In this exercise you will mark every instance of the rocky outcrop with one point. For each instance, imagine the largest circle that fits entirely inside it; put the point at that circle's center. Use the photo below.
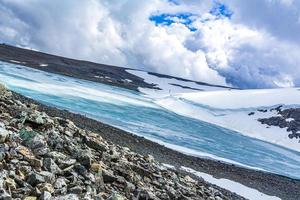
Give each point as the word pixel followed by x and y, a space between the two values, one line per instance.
pixel 285 118
pixel 44 157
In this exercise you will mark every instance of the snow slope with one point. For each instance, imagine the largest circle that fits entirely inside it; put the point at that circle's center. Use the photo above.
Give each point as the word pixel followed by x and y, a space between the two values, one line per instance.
pixel 225 107
pixel 171 85
pixel 230 109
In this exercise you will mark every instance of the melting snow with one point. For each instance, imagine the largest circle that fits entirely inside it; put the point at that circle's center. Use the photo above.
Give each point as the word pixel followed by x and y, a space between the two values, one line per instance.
pixel 170 85
pixel 232 186
pixel 43 65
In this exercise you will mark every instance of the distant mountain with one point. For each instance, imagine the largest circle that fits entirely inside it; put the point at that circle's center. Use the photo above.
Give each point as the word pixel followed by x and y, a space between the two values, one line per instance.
pixel 108 74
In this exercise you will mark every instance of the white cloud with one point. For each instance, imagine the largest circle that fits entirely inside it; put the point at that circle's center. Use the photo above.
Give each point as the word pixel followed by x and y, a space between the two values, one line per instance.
pixel 249 50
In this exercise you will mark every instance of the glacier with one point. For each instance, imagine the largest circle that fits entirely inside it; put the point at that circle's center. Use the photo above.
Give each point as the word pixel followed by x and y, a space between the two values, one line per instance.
pixel 148 116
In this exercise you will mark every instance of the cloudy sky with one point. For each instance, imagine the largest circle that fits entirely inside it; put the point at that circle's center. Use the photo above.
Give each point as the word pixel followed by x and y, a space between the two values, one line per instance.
pixel 243 43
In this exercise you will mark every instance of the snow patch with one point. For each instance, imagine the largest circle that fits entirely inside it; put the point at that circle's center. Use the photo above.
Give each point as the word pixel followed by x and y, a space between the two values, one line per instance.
pixel 18 62
pixel 127 80
pixel 232 186
pixel 170 85
pixel 43 65
pixel 236 99
pixel 168 166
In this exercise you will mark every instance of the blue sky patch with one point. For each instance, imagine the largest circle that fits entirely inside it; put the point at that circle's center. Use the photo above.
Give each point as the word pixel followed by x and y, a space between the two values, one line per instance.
pixel 168 19
pixel 221 10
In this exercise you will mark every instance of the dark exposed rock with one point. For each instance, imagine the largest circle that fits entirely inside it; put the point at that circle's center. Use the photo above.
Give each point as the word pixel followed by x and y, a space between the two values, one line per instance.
pixel 251 113
pixel 287 118
pixel 34 179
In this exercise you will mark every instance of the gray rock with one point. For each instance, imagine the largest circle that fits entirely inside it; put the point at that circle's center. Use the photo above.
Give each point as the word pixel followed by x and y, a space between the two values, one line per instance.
pixel 109 177
pixel 76 190
pixel 3 135
pixel 67 197
pixel 60 183
pixel 116 196
pixel 51 166
pixel 84 158
pixel 45 196
pixel 33 140
pixel 5 196
pixel 34 179
pixel 94 144
pixel 48 176
pixel 129 187
pixel 36 118
pixel 80 169
pixel 66 163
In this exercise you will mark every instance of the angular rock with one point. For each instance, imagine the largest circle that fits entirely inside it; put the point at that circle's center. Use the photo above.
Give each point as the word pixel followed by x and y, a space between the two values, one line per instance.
pixel 5 196
pixel 30 198
pixel 109 177
pixel 116 196
pixel 94 143
pixel 60 183
pixel 76 190
pixel 84 158
pixel 34 179
pixel 51 166
pixel 48 176
pixel 45 196
pixel 45 187
pixel 3 135
pixel 67 197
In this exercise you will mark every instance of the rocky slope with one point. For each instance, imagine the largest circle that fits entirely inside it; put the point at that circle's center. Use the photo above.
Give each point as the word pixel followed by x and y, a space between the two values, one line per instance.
pixel 43 157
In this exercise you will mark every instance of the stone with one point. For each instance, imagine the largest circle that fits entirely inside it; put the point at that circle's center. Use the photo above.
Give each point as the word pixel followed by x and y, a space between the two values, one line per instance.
pixel 60 183
pixel 76 190
pixel 3 135
pixel 80 169
pixel 36 163
pixel 149 158
pixel 45 196
pixel 45 187
pixel 94 143
pixel 5 196
pixel 51 166
pixel 129 187
pixel 95 167
pixel 34 141
pixel 34 179
pixel 109 177
pixel 25 152
pixel 30 198
pixel 116 196
pixel 10 183
pixel 66 163
pixel 48 176
pixel 67 197
pixel 85 159
pixel 36 118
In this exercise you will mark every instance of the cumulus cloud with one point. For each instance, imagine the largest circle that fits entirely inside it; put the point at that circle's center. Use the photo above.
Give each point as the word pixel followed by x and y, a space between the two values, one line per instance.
pixel 236 45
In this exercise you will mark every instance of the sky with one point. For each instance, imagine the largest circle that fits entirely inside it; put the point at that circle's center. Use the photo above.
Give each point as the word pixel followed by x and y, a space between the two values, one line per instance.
pixel 240 43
